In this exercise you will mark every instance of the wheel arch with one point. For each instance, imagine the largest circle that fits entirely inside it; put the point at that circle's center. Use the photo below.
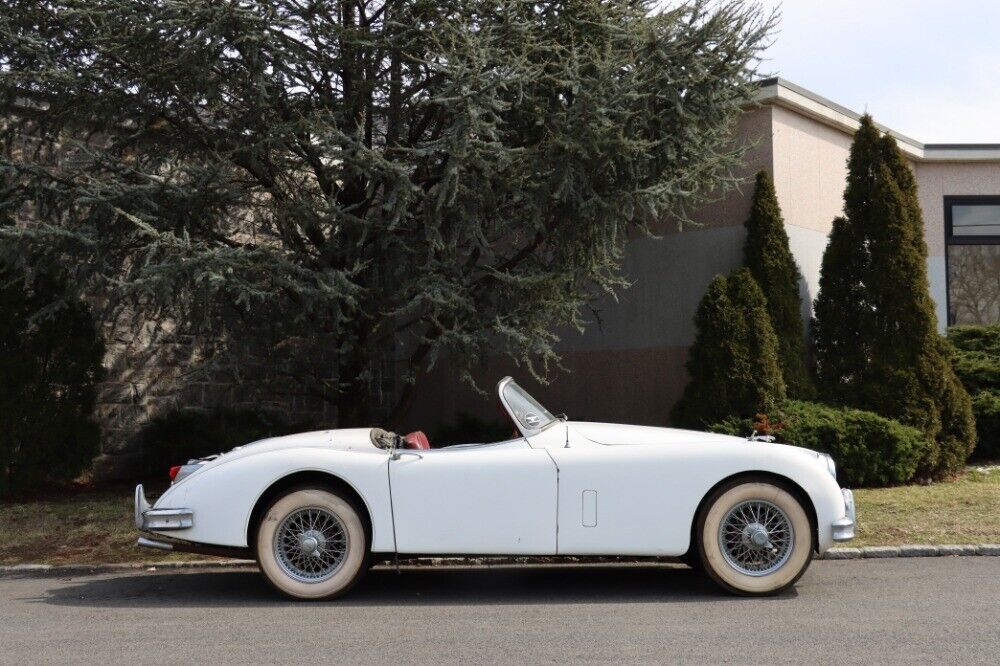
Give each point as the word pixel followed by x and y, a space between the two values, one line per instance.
pixel 780 480
pixel 312 479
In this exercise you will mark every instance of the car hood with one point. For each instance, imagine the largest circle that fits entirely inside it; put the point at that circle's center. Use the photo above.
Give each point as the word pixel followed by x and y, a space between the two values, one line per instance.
pixel 615 433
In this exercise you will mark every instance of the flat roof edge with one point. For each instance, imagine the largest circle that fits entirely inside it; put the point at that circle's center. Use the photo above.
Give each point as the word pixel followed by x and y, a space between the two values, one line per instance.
pixel 776 90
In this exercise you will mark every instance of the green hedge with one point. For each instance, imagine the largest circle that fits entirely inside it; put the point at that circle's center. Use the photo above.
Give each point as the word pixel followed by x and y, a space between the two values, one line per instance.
pixel 50 364
pixel 976 338
pixel 986 407
pixel 978 370
pixel 976 357
pixel 870 450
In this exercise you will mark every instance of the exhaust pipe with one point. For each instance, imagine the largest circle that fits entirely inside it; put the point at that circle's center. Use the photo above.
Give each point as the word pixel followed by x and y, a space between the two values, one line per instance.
pixel 197 548
pixel 143 542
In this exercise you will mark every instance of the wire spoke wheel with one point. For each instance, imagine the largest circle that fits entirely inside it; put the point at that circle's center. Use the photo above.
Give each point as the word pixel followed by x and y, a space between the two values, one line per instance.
pixel 756 537
pixel 310 544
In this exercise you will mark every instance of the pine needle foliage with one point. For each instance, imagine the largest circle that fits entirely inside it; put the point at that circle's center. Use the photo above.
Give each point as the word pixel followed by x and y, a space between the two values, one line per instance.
pixel 50 367
pixel 383 180
pixel 768 256
pixel 877 346
pixel 733 364
pixel 976 359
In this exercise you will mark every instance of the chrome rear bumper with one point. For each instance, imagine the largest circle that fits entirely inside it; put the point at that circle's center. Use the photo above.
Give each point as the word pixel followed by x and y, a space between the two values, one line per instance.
pixel 148 518
pixel 844 528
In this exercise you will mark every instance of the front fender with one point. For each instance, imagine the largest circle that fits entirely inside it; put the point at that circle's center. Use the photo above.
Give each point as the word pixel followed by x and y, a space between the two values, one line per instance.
pixel 805 469
pixel 222 496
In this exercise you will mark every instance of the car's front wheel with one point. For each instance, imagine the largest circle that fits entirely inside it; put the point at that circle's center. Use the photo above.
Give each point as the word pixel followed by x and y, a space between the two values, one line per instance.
pixel 754 537
pixel 312 544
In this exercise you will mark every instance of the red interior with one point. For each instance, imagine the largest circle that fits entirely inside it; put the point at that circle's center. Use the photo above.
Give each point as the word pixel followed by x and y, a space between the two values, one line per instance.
pixel 416 440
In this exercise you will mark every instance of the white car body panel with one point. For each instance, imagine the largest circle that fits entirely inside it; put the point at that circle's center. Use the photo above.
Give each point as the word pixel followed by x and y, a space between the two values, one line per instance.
pixel 645 495
pixel 480 499
pixel 223 493
pixel 569 488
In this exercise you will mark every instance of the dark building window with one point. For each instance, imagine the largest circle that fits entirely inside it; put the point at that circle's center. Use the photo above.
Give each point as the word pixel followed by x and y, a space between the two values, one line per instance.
pixel 972 237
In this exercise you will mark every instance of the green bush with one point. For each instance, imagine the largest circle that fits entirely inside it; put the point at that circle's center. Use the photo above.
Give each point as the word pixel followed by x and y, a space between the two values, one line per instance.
pixel 733 363
pixel 976 338
pixel 183 434
pixel 986 407
pixel 870 450
pixel 978 370
pixel 50 363
pixel 976 357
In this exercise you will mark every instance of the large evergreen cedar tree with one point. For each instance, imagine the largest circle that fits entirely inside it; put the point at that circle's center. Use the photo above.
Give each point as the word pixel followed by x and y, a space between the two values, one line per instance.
pixel 368 179
pixel 877 346
pixel 767 254
pixel 733 363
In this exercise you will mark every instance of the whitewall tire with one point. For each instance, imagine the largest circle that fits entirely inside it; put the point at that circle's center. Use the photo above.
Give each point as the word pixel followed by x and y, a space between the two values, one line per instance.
pixel 754 537
pixel 312 544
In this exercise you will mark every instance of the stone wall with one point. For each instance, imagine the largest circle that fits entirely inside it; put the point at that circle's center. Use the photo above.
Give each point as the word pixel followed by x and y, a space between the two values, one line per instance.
pixel 151 370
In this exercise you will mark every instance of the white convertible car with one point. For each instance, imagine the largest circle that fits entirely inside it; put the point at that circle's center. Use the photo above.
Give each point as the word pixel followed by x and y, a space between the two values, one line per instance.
pixel 317 508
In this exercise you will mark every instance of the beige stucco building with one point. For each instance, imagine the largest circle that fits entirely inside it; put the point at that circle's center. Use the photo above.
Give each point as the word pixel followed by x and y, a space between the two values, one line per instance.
pixel 629 365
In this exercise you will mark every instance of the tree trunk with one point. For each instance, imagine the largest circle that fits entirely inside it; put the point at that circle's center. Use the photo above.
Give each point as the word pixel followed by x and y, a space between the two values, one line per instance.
pixel 353 404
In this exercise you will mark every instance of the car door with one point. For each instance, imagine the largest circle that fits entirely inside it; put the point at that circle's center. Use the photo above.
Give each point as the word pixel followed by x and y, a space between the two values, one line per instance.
pixel 474 499
pixel 620 500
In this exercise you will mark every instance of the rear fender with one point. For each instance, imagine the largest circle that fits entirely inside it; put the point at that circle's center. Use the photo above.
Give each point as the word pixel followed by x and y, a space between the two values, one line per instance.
pixel 222 497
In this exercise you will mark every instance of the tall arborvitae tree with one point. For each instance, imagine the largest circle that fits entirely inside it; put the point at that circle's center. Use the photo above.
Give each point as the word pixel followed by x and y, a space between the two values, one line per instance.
pixel 733 363
pixel 877 346
pixel 767 254
pixel 381 181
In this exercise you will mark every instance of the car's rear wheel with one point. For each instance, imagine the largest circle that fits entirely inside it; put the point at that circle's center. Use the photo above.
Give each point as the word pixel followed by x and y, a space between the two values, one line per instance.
pixel 312 544
pixel 754 537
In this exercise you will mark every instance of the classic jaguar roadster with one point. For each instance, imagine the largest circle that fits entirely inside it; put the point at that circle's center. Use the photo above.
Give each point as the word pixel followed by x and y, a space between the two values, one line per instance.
pixel 315 509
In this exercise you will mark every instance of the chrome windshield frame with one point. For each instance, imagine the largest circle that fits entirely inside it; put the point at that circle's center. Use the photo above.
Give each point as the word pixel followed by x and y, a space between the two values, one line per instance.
pixel 526 431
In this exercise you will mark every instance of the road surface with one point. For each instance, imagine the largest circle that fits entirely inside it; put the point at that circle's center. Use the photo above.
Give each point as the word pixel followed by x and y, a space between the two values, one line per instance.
pixel 871 611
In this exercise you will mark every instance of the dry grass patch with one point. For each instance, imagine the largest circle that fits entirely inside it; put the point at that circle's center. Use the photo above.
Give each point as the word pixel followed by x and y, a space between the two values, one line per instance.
pixel 85 527
pixel 959 512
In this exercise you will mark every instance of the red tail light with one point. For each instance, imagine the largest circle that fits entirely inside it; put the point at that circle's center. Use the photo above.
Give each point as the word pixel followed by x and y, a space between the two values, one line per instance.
pixel 173 471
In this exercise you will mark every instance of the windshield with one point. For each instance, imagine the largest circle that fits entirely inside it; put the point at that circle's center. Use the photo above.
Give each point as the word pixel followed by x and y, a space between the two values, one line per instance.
pixel 528 412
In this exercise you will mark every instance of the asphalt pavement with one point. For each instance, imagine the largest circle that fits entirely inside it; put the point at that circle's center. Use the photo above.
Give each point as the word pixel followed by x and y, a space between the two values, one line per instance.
pixel 936 610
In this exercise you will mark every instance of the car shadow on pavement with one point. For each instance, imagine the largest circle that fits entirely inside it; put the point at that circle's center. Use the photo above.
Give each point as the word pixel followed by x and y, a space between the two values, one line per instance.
pixel 410 587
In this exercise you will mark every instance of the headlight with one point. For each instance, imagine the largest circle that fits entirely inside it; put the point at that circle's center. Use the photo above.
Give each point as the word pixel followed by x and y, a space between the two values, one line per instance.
pixel 831 466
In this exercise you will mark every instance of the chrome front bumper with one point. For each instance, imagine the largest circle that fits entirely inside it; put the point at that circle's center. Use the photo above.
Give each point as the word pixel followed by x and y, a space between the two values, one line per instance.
pixel 844 528
pixel 148 518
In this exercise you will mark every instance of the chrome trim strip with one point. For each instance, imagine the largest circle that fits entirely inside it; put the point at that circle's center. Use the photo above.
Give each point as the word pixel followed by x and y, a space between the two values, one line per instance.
pixel 844 528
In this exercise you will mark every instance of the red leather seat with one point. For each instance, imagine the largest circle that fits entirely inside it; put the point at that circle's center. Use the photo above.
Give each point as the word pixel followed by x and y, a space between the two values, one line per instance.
pixel 416 440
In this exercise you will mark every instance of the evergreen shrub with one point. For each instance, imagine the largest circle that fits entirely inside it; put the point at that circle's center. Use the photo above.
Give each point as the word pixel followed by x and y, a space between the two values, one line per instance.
pixel 733 363
pixel 870 450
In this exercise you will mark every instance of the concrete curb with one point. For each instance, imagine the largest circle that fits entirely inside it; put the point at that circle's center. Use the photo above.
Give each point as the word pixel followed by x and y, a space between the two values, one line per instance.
pixel 866 553
pixel 943 550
